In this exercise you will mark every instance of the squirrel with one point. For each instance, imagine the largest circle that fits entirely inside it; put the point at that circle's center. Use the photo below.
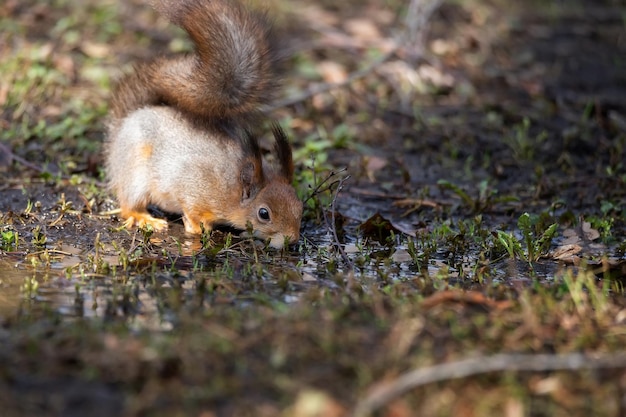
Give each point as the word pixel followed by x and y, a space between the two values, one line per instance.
pixel 178 130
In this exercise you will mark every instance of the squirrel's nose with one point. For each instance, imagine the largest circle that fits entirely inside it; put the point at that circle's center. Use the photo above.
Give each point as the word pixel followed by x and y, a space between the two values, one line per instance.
pixel 279 241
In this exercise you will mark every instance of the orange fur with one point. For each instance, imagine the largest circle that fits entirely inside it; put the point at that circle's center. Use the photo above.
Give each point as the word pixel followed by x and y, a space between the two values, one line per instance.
pixel 142 218
pixel 195 219
pixel 145 152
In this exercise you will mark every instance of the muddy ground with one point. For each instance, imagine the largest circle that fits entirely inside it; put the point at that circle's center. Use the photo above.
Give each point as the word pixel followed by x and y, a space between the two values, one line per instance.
pixel 465 194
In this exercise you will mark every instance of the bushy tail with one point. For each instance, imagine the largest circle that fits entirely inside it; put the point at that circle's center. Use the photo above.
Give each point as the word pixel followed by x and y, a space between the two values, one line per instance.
pixel 230 74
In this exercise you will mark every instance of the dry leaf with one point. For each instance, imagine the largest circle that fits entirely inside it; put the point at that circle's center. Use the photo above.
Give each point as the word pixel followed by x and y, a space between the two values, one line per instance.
pixel 465 297
pixel 308 277
pixel 379 228
pixel 435 76
pixel 404 228
pixel 401 256
pixel 332 72
pixel 590 233
pixel 95 50
pixel 4 93
pixel 566 252
pixel 351 248
pixel 620 317
pixel 546 385
pixel 362 29
pixel 314 403
pixel 374 164
pixel 514 408
pixel 569 233
pixel 571 237
pixel 65 64
pixel 443 47
pixel 318 15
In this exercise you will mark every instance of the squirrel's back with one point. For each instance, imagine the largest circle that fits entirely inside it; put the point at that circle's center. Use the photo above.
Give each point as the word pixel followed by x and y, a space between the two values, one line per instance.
pixel 230 74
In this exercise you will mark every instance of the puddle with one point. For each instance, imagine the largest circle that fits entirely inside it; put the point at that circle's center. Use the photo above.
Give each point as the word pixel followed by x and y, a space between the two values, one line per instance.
pixel 11 280
pixel 168 275
pixel 151 296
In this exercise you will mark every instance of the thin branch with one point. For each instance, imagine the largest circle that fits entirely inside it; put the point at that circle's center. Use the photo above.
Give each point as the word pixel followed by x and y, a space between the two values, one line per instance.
pixel 4 149
pixel 481 365
pixel 12 156
pixel 333 226
pixel 319 188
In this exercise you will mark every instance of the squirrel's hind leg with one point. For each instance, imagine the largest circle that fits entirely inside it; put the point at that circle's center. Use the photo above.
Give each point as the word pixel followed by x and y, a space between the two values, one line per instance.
pixel 142 218
pixel 194 220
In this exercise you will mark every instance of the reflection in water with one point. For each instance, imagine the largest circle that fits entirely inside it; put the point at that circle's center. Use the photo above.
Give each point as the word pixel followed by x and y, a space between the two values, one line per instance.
pixel 149 287
pixel 33 292
pixel 54 281
pixel 150 301
pixel 11 280
pixel 39 293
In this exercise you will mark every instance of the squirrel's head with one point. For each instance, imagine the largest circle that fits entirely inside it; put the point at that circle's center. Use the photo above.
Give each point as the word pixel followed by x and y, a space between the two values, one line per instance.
pixel 275 213
pixel 272 206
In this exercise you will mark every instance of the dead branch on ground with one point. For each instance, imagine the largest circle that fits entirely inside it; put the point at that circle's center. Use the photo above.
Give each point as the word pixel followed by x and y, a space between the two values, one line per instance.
pixel 504 362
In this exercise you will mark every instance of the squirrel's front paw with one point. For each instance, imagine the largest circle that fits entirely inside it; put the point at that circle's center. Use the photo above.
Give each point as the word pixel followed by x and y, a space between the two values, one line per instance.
pixel 197 220
pixel 141 219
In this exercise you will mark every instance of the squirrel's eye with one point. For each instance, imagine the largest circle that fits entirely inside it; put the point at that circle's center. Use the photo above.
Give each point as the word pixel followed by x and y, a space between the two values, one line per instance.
pixel 264 214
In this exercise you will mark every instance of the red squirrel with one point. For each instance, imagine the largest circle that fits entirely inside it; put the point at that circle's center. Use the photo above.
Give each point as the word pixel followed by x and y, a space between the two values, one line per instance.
pixel 178 131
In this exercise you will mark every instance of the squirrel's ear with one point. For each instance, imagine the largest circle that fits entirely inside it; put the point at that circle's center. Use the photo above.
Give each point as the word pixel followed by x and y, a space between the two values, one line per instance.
pixel 282 149
pixel 251 146
pixel 249 180
pixel 252 170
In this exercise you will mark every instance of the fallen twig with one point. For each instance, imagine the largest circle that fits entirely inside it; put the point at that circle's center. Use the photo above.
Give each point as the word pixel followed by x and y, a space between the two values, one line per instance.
pixel 464 297
pixel 12 156
pixel 504 362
